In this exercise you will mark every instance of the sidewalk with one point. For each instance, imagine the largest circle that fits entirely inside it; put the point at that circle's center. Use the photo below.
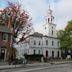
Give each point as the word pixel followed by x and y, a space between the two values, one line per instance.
pixel 34 64
pixel 21 65
pixel 61 62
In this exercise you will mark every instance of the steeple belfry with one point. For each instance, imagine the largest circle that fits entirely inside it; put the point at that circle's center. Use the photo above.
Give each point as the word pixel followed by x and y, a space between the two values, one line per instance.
pixel 50 16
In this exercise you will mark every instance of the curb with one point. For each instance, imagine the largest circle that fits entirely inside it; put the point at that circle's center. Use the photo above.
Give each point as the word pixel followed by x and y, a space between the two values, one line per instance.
pixel 29 65
pixel 57 63
pixel 11 67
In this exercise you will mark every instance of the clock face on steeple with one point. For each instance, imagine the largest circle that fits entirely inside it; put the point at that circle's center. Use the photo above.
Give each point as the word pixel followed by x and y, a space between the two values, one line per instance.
pixel 49 11
pixel 50 17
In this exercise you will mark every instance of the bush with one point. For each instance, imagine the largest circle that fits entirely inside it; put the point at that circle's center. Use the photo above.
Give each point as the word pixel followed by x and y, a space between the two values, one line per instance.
pixel 20 61
pixel 16 61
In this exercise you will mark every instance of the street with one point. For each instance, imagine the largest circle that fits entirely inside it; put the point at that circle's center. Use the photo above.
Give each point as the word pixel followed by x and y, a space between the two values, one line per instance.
pixel 42 68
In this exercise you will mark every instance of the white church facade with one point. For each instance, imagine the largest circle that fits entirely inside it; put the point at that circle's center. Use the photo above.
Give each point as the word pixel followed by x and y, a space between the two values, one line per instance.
pixel 45 45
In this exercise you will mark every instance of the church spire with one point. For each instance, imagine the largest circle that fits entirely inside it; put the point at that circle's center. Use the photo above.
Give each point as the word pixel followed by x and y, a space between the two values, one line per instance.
pixel 50 16
pixel 49 5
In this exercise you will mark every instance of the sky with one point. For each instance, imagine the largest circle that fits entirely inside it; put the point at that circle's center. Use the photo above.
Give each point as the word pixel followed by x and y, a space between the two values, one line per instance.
pixel 37 9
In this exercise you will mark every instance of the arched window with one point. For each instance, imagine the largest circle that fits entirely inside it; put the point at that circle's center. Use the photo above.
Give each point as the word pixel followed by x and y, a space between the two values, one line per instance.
pixel 48 20
pixel 52 32
pixel 52 54
pixel 34 42
pixel 34 51
pixel 58 54
pixel 46 53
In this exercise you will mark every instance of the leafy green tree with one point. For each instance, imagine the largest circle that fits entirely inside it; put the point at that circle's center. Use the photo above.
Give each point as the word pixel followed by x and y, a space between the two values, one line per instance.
pixel 69 26
pixel 66 38
pixel 68 30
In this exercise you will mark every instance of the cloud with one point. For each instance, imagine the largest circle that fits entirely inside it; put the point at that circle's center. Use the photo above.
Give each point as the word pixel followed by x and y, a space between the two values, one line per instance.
pixel 37 9
pixel 63 13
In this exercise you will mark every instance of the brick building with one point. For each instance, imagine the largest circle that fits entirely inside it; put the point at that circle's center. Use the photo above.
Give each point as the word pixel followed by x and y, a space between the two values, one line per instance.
pixel 5 43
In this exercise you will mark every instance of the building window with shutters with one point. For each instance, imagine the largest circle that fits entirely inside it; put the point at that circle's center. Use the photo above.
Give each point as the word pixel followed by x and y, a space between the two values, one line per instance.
pixel 4 36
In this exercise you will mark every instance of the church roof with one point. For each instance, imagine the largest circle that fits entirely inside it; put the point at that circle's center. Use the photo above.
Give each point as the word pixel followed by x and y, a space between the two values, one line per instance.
pixel 36 34
pixel 50 37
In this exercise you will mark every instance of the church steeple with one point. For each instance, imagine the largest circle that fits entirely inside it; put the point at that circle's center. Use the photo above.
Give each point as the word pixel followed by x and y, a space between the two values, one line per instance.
pixel 50 27
pixel 50 16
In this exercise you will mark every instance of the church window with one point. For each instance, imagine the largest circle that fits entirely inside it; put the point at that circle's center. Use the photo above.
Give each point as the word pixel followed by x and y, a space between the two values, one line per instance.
pixel 39 42
pixel 52 27
pixel 52 43
pixel 52 32
pixel 34 42
pixel 46 42
pixel 34 51
pixel 52 54
pixel 48 19
pixel 46 53
pixel 51 19
pixel 58 54
pixel 45 27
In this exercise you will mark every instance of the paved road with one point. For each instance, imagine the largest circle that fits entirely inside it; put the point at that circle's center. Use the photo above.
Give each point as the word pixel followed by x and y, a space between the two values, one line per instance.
pixel 61 68
pixel 42 68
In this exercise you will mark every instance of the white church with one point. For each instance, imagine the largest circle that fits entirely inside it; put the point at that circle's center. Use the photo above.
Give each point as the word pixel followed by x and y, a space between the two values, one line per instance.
pixel 44 45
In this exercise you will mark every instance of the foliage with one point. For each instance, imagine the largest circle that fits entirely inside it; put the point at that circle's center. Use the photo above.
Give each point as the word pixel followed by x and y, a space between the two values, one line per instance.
pixel 66 37
pixel 19 23
pixel 17 20
pixel 69 26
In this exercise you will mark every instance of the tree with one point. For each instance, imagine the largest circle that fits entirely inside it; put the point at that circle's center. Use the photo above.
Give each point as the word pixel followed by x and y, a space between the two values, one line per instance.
pixel 18 21
pixel 68 30
pixel 69 26
pixel 66 38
